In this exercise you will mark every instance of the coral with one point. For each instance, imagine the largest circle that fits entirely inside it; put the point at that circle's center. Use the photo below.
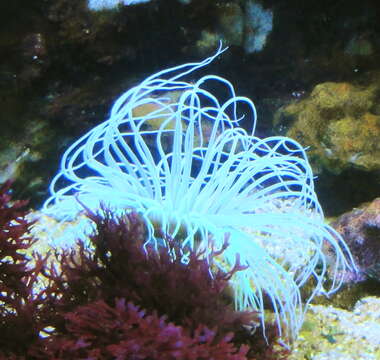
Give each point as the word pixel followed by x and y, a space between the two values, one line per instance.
pixel 200 184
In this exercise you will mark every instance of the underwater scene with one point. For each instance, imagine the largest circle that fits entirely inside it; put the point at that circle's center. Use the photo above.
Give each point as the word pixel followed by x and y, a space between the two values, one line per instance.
pixel 190 180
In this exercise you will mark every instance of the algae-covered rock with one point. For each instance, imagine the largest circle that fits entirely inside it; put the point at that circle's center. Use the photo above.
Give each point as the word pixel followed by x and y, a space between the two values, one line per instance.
pixel 247 25
pixel 333 333
pixel 229 28
pixel 341 124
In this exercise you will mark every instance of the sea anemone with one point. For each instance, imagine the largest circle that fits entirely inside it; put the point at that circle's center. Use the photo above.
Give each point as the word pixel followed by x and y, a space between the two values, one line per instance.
pixel 200 178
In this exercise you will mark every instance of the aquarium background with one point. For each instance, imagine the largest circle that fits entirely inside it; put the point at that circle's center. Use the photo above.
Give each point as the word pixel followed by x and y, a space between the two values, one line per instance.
pixel 62 66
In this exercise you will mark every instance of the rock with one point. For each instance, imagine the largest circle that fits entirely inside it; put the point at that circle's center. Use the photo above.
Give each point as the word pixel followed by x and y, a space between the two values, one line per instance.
pixel 229 29
pixel 246 26
pixel 341 124
pixel 333 333
pixel 360 229
pixel 258 25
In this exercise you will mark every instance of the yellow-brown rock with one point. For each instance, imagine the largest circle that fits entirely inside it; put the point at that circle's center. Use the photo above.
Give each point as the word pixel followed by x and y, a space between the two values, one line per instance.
pixel 340 122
